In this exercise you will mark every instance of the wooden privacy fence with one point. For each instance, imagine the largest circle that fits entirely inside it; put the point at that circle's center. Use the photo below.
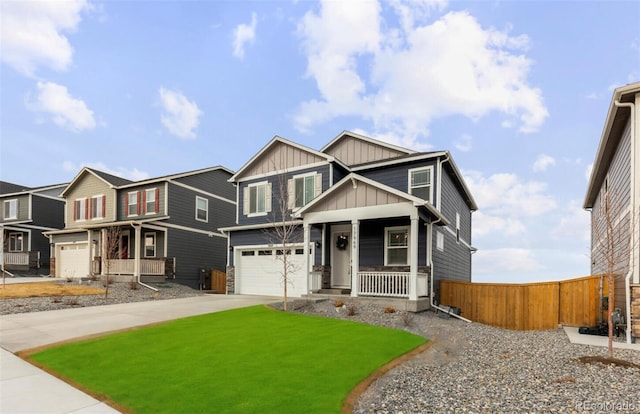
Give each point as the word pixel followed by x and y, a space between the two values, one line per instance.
pixel 532 306
pixel 218 281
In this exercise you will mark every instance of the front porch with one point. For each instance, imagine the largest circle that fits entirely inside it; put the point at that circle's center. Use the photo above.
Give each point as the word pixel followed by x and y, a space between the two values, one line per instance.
pixel 22 261
pixel 152 270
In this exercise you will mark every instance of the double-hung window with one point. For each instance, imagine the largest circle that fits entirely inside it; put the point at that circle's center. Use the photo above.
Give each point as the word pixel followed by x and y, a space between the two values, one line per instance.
pixel 80 209
pixel 151 201
pixel 202 209
pixel 150 245
pixel 11 209
pixel 97 207
pixel 16 242
pixel 132 203
pixel 304 188
pixel 257 199
pixel 421 183
pixel 396 246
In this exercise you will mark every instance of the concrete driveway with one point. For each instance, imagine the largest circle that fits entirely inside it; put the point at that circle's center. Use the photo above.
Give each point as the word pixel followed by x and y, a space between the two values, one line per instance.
pixel 27 389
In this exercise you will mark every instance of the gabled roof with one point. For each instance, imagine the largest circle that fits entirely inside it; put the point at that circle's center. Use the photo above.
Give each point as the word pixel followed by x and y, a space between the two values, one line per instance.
pixel 110 180
pixel 175 176
pixel 346 134
pixel 614 125
pixel 10 189
pixel 277 140
pixel 352 181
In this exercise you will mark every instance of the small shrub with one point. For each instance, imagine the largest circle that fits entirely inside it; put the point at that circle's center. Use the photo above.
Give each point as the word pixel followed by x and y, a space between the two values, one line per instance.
pixel 389 309
pixel 338 303
pixel 72 302
pixel 57 299
pixel 351 309
pixel 133 285
pixel 407 318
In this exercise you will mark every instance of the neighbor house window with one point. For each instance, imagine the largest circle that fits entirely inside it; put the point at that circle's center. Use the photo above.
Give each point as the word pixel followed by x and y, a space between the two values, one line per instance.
pixel 150 245
pixel 11 209
pixel 97 207
pixel 151 201
pixel 202 209
pixel 396 242
pixel 421 183
pixel 257 199
pixel 440 241
pixel 132 204
pixel 80 209
pixel 15 242
pixel 304 188
pixel 458 227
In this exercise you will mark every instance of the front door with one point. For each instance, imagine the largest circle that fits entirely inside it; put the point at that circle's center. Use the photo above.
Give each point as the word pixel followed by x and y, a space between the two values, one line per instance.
pixel 341 256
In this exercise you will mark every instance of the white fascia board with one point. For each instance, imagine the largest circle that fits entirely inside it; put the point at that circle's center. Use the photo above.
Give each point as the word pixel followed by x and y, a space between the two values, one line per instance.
pixel 361 213
pixel 199 191
pixel 456 171
pixel 393 161
pixel 367 139
pixel 77 177
pixel 275 140
pixel 285 171
pixel 258 226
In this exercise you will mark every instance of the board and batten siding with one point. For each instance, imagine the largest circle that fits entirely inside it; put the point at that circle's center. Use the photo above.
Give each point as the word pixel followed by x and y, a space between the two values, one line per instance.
pixel 619 187
pixel 89 186
pixel 352 151
pixel 280 157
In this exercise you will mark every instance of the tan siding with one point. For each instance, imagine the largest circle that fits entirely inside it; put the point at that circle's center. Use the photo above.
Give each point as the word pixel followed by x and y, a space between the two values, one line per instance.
pixel 362 196
pixel 281 157
pixel 353 151
pixel 86 187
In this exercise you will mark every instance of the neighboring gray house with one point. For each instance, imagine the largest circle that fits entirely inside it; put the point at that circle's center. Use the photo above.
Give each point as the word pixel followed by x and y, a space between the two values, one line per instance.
pixel 378 220
pixel 167 226
pixel 26 214
pixel 614 191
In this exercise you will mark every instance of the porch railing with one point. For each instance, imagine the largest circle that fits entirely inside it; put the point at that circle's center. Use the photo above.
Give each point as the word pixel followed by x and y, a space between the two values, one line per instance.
pixel 390 284
pixel 316 281
pixel 16 258
pixel 127 266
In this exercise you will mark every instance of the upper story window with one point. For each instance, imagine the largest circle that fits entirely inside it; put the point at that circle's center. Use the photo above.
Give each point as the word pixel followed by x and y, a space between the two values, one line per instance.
pixel 151 205
pixel 16 242
pixel 421 183
pixel 257 199
pixel 11 209
pixel 202 209
pixel 458 227
pixel 97 207
pixel 396 246
pixel 304 188
pixel 440 241
pixel 80 209
pixel 133 207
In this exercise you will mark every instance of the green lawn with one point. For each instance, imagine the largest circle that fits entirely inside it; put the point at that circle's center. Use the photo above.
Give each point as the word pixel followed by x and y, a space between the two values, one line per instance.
pixel 239 361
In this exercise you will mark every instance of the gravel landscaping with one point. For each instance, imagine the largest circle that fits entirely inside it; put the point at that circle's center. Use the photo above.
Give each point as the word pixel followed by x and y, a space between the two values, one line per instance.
pixel 468 368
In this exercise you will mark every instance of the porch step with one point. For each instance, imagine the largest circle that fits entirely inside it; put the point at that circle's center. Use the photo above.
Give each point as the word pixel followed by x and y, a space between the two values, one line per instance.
pixel 334 291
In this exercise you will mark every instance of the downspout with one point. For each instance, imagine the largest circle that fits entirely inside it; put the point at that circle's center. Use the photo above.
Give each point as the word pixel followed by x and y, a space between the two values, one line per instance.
pixel 137 233
pixel 627 278
pixel 431 272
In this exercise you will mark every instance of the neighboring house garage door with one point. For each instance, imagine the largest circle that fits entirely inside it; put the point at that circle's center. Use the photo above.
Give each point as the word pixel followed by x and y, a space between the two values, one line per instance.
pixel 72 260
pixel 259 272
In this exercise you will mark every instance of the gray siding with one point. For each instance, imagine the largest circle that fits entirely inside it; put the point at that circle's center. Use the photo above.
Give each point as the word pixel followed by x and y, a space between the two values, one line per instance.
pixel 397 176
pixel 123 202
pixel 182 209
pixel 194 251
pixel 214 182
pixel 372 241
pixel 452 203
pixel 48 212
pixel 23 207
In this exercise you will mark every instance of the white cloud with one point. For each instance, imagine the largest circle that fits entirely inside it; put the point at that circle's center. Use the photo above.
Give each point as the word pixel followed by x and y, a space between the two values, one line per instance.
pixel 243 34
pixel 484 224
pixel 181 116
pixel 505 260
pixel 417 72
pixel 33 33
pixel 575 223
pixel 464 143
pixel 133 175
pixel 65 110
pixel 587 172
pixel 543 162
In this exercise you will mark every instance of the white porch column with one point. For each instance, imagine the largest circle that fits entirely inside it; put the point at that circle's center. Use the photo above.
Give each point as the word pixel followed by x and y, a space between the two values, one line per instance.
pixel 136 255
pixel 355 262
pixel 413 258
pixel 2 249
pixel 305 232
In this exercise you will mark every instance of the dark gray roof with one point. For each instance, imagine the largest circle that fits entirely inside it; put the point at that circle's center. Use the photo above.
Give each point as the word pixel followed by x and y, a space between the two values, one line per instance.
pixel 111 179
pixel 9 188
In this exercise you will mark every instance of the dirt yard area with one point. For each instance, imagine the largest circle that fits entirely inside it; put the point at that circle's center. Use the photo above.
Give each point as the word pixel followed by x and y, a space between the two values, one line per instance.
pixel 43 289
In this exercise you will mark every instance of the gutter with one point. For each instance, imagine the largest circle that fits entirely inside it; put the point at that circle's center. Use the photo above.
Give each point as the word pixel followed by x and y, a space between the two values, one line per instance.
pixel 632 221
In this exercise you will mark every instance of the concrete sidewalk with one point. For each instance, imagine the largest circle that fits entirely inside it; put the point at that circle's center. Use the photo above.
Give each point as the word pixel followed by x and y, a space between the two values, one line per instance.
pixel 577 338
pixel 27 389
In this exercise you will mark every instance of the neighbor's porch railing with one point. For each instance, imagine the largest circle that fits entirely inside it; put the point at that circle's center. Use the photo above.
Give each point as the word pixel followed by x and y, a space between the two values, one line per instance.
pixel 390 284
pixel 127 266
pixel 16 258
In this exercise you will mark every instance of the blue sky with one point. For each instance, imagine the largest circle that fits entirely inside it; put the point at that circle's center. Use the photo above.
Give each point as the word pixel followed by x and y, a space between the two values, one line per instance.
pixel 517 91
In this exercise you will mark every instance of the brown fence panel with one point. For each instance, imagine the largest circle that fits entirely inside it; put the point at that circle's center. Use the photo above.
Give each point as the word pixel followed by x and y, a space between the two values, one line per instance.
pixel 530 306
pixel 218 281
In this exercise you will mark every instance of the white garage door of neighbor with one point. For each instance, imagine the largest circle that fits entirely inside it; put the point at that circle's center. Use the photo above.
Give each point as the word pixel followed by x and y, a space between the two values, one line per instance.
pixel 259 272
pixel 72 260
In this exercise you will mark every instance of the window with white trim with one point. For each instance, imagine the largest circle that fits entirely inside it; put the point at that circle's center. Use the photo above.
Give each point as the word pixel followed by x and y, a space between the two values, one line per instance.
pixel 421 183
pixel 150 245
pixel 132 204
pixel 396 246
pixel 80 209
pixel 11 209
pixel 202 209
pixel 16 242
pixel 151 200
pixel 304 188
pixel 257 199
pixel 458 227
pixel 440 241
pixel 97 207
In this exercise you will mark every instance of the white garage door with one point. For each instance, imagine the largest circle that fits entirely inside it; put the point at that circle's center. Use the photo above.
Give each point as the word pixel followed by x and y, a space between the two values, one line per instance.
pixel 72 260
pixel 259 272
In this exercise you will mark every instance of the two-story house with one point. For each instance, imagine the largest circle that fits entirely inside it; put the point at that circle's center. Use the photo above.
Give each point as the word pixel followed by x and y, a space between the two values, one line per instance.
pixel 613 197
pixel 26 214
pixel 149 230
pixel 366 218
